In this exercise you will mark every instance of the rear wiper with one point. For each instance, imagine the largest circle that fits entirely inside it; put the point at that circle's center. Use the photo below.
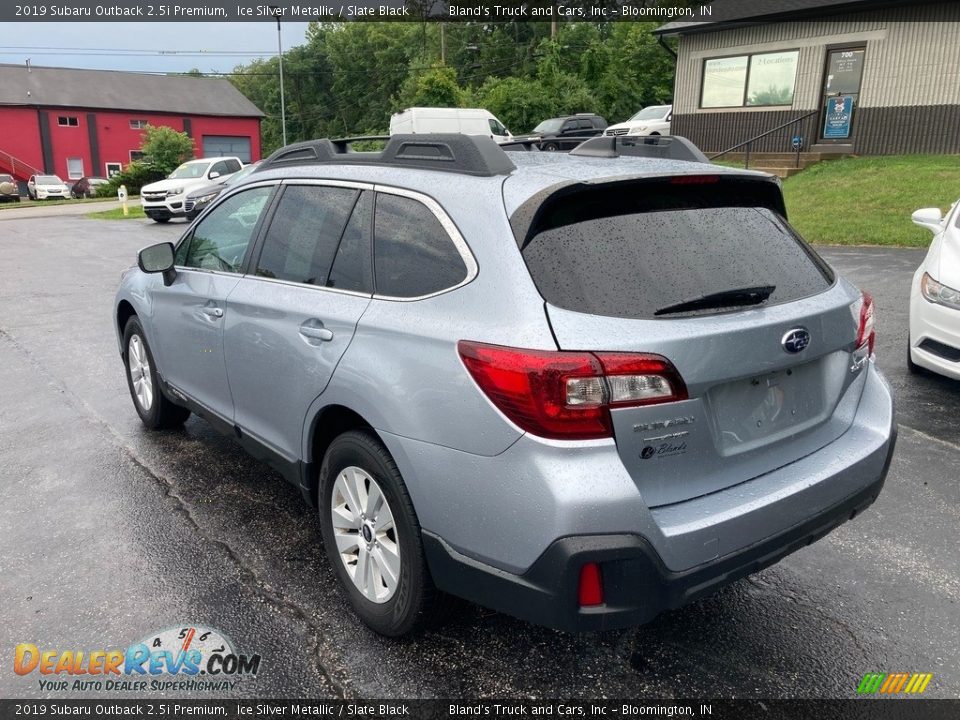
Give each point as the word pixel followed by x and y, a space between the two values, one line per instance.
pixel 727 298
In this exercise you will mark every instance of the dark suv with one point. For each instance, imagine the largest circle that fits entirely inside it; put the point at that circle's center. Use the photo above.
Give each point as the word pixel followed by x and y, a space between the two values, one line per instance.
pixel 565 133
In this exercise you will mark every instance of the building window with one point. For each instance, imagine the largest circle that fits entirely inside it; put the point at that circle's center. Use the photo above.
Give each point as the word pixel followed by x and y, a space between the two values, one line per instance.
pixel 67 121
pixel 138 124
pixel 113 169
pixel 136 155
pixel 749 80
pixel 74 168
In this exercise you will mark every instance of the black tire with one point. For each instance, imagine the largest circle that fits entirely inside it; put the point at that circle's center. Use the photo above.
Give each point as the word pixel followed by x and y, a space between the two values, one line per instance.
pixel 161 219
pixel 415 599
pixel 550 147
pixel 162 414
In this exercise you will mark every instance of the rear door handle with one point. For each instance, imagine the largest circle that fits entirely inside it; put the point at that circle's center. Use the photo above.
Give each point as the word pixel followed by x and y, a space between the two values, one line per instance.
pixel 213 311
pixel 314 330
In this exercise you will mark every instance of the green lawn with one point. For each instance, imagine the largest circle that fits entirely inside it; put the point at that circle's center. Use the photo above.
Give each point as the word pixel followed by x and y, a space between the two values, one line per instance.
pixel 136 211
pixel 869 200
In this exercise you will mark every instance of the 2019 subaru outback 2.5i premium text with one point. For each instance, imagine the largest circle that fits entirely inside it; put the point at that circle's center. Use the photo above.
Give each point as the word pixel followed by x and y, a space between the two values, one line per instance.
pixel 578 388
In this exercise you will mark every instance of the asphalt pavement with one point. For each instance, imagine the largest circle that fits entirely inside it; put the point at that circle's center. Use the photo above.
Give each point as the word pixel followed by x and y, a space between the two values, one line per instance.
pixel 109 533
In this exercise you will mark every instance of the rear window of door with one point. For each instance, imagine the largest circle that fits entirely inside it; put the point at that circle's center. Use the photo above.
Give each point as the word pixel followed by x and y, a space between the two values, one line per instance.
pixel 304 233
pixel 413 253
pixel 220 240
pixel 623 251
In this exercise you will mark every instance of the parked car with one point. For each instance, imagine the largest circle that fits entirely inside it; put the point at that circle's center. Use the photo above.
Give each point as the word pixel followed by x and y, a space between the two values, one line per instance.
pixel 469 121
pixel 165 199
pixel 570 432
pixel 46 187
pixel 934 342
pixel 198 199
pixel 565 133
pixel 652 120
pixel 86 187
pixel 9 190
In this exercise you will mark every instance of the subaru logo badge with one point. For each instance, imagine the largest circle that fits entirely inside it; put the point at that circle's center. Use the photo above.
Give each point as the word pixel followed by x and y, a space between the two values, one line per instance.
pixel 796 340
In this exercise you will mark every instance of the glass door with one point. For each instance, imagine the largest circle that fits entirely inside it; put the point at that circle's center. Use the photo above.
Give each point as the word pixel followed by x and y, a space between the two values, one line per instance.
pixel 841 92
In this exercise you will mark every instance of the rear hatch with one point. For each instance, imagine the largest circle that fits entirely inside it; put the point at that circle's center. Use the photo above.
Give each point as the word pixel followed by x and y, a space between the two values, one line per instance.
pixel 705 271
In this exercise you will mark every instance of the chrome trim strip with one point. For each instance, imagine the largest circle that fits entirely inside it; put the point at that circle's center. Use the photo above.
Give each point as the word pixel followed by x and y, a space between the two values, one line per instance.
pixel 293 283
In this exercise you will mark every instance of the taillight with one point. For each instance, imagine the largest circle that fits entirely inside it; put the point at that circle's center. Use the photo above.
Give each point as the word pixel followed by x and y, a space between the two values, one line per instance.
pixel 568 395
pixel 865 332
pixel 694 179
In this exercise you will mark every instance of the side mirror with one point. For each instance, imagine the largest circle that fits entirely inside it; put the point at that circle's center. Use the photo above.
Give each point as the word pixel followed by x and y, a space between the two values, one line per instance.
pixel 214 175
pixel 158 259
pixel 929 218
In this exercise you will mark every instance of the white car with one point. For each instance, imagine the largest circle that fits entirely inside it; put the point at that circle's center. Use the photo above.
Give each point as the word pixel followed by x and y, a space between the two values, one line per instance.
pixel 166 199
pixel 652 120
pixel 47 187
pixel 935 297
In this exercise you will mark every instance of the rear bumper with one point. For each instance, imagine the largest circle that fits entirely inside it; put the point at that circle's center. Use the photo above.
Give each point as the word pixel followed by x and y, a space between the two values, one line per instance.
pixel 651 560
pixel 637 585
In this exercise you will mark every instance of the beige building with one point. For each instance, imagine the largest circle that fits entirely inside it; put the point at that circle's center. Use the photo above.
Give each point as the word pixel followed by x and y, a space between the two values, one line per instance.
pixel 865 77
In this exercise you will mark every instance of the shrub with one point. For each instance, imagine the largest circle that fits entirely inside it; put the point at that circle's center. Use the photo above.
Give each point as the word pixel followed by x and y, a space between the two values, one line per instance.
pixel 134 176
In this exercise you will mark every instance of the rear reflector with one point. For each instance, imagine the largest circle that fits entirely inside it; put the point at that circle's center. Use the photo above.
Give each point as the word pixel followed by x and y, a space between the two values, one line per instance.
pixel 569 395
pixel 590 591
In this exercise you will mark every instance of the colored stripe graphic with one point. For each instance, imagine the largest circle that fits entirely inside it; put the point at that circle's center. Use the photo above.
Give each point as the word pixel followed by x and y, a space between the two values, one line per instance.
pixel 894 683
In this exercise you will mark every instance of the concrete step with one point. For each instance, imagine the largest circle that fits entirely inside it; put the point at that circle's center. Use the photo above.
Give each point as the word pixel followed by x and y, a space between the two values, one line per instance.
pixel 782 163
pixel 759 156
pixel 781 172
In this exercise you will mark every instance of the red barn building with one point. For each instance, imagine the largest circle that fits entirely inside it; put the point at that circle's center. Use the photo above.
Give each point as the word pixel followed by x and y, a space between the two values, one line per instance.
pixel 73 122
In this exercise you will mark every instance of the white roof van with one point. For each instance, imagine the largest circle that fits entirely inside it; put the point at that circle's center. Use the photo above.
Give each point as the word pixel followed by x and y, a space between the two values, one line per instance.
pixel 467 121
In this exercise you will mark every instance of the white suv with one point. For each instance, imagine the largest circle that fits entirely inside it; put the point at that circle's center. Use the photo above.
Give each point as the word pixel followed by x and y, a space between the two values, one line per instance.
pixel 653 120
pixel 165 199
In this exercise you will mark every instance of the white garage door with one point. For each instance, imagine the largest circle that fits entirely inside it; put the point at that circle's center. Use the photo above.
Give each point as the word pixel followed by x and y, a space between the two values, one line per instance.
pixel 226 145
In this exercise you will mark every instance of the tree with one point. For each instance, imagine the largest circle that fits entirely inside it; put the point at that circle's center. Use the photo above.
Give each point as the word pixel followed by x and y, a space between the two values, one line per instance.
pixel 164 148
pixel 436 87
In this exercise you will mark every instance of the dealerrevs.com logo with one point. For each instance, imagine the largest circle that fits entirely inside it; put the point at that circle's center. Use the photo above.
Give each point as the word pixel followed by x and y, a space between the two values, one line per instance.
pixel 192 658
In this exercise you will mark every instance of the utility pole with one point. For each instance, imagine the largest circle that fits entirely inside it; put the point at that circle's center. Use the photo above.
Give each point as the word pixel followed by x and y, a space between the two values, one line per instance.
pixel 283 104
pixel 443 44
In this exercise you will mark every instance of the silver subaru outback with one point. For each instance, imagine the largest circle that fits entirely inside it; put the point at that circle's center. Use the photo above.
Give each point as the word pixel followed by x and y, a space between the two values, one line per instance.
pixel 576 388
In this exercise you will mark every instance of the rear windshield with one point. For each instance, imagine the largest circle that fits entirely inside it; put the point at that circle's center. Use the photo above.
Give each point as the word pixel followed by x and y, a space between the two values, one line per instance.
pixel 633 252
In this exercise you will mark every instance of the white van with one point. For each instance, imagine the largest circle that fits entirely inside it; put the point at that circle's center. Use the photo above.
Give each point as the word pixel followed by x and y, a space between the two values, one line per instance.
pixel 468 121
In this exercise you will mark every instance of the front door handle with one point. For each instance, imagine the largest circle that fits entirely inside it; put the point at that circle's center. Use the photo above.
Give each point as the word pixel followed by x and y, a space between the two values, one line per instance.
pixel 213 311
pixel 314 330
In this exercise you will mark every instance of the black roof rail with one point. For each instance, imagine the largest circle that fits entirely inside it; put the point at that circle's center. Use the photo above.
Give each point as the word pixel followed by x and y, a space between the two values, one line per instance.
pixel 665 147
pixel 448 152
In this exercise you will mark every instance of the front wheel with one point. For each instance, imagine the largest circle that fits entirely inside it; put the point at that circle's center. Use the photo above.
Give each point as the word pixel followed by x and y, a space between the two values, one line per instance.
pixel 161 219
pixel 551 147
pixel 372 536
pixel 154 408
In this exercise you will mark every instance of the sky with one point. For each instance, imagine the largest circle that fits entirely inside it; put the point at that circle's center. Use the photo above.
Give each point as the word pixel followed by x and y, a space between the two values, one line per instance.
pixel 146 47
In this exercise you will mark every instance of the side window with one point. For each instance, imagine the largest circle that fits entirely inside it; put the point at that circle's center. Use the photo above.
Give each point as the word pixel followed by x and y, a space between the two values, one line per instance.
pixel 569 126
pixel 220 241
pixel 220 167
pixel 413 254
pixel 496 128
pixel 232 165
pixel 303 236
pixel 587 125
pixel 351 266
